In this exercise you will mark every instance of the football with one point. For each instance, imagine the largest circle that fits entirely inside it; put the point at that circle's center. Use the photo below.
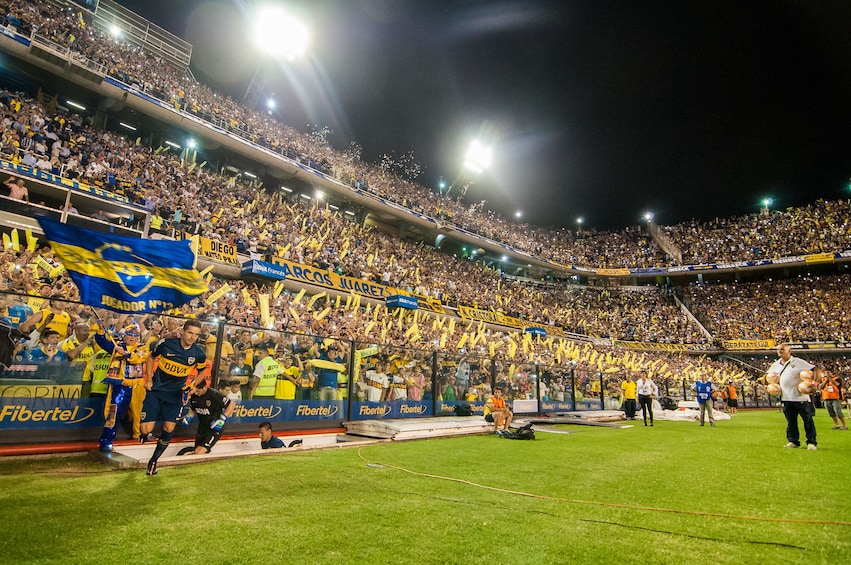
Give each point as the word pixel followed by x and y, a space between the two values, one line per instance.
pixel 806 387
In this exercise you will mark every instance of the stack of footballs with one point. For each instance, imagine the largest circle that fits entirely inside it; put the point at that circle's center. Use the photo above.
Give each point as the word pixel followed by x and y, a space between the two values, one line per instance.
pixel 807 384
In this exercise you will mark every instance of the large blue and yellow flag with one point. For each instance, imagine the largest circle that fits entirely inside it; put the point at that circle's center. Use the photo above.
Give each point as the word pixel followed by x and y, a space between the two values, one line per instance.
pixel 125 274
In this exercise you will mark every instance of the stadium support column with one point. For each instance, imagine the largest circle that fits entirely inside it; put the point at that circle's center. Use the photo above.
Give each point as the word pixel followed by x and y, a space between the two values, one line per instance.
pixel 573 388
pixel 403 230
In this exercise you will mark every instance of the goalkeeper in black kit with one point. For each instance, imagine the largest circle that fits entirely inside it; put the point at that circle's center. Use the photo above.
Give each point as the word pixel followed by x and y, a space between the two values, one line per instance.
pixel 212 409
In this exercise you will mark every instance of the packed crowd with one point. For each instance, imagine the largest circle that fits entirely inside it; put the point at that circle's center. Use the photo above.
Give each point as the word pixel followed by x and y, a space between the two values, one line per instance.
pixel 806 308
pixel 225 209
pixel 259 222
pixel 820 227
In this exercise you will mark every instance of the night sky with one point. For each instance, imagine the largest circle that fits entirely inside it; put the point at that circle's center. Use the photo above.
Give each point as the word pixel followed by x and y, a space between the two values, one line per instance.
pixel 599 109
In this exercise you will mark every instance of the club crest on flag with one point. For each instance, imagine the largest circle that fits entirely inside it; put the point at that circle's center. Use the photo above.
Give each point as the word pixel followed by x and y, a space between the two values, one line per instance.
pixel 130 269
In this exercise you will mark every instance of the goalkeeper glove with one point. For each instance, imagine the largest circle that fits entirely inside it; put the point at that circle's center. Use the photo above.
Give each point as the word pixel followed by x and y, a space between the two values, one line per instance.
pixel 218 424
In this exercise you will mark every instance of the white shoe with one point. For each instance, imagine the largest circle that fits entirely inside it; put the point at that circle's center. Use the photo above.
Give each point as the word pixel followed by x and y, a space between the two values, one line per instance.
pixel 811 447
pixel 790 445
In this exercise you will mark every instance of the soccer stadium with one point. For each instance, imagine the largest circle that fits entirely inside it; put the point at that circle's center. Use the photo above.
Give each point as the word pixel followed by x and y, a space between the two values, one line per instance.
pixel 162 240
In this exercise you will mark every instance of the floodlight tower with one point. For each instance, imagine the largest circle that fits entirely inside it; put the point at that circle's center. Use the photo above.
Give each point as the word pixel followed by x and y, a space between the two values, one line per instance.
pixel 476 160
pixel 278 37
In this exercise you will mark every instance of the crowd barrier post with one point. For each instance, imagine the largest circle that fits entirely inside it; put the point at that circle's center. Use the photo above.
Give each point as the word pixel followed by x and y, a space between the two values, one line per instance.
pixel 573 389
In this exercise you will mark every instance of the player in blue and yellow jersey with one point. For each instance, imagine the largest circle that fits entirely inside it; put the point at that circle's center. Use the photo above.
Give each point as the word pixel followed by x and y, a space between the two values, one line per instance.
pixel 166 385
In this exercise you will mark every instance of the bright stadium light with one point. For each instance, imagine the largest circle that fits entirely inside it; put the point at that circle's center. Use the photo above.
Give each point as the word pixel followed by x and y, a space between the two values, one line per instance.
pixel 767 202
pixel 518 214
pixel 270 103
pixel 191 144
pixel 478 157
pixel 114 30
pixel 648 216
pixel 172 144
pixel 579 220
pixel 279 34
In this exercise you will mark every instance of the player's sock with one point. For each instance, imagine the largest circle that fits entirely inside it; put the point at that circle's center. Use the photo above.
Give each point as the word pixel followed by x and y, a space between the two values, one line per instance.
pixel 162 445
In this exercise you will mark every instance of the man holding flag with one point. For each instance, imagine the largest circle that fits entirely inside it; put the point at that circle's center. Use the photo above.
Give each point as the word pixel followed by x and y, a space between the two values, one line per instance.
pixel 137 276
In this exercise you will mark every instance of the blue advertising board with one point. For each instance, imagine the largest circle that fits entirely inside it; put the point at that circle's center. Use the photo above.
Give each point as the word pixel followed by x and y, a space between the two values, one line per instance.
pixel 263 269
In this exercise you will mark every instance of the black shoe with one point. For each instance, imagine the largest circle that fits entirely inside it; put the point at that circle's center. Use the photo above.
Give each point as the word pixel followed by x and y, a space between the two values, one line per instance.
pixel 152 468
pixel 294 443
pixel 147 438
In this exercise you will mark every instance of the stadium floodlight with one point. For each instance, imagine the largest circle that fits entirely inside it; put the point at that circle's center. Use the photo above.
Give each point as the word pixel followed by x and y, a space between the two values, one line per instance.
pixel 114 30
pixel 270 103
pixel 279 34
pixel 320 195
pixel 579 220
pixel 504 258
pixel 518 214
pixel 478 157
pixel 191 144
pixel 766 202
pixel 648 216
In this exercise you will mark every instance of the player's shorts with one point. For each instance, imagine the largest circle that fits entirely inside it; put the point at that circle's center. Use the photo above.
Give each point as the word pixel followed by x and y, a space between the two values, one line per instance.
pixel 161 406
pixel 489 417
pixel 732 403
pixel 207 438
pixel 834 408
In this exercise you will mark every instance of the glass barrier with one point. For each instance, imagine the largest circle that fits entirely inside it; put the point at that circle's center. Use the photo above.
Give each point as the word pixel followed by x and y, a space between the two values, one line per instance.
pixel 279 376
pixel 463 384
pixel 611 391
pixel 391 382
pixel 52 370
pixel 587 387
pixel 556 389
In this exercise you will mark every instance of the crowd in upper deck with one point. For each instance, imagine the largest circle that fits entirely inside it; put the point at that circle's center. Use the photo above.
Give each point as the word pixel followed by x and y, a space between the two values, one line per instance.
pixel 220 207
pixel 819 227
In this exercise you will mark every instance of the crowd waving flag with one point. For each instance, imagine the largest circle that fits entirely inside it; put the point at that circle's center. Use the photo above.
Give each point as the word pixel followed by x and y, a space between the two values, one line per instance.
pixel 125 274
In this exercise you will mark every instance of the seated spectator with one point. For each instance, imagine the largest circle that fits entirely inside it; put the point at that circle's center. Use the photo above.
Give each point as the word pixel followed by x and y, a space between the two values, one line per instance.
pixel 498 412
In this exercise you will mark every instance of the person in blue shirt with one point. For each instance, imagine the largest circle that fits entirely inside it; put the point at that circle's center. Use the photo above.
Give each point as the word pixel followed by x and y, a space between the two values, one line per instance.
pixel 49 350
pixel 268 440
pixel 329 361
pixel 704 389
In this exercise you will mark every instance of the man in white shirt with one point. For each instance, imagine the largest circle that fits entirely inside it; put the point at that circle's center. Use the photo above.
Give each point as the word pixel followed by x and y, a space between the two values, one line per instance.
pixel 646 391
pixel 794 403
